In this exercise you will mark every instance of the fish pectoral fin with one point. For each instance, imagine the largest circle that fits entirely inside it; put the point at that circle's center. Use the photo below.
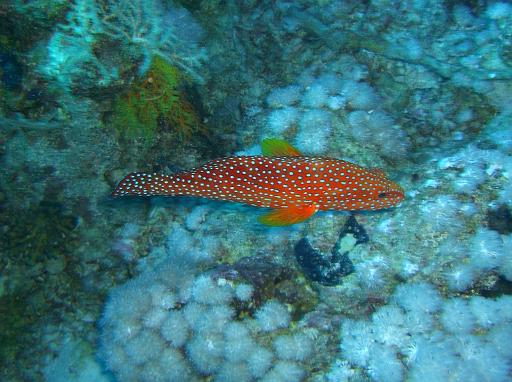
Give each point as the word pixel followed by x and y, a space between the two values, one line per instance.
pixel 288 215
pixel 273 147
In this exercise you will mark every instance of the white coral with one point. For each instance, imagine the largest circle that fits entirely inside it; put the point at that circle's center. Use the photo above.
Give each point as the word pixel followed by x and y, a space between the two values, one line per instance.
pixel 136 23
pixel 148 26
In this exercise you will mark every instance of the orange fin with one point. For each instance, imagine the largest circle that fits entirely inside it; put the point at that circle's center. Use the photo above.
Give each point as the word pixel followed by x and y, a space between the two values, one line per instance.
pixel 287 215
pixel 378 172
pixel 273 147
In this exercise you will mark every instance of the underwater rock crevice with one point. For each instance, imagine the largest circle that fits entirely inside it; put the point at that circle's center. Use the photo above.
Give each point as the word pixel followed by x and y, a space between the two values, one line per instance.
pixel 330 268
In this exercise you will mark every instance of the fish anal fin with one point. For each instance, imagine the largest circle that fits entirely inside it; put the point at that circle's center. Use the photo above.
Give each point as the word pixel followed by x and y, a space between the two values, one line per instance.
pixel 287 215
pixel 273 147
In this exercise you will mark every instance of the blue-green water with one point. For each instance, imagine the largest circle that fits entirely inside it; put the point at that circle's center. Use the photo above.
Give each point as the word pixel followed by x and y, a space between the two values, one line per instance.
pixel 97 288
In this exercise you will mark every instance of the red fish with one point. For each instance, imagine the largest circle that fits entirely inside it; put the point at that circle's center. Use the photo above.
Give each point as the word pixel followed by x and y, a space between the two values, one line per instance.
pixel 292 185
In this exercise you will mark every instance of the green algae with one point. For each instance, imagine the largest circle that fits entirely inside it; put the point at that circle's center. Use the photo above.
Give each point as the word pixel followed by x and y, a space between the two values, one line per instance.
pixel 42 230
pixel 40 15
pixel 17 316
pixel 154 103
pixel 37 245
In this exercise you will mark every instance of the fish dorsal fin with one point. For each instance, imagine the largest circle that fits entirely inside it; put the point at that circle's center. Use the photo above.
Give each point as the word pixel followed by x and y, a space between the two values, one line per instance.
pixel 273 147
pixel 287 215
pixel 378 172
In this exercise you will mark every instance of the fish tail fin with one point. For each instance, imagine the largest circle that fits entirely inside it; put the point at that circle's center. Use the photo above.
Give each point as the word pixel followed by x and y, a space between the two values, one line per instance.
pixel 143 184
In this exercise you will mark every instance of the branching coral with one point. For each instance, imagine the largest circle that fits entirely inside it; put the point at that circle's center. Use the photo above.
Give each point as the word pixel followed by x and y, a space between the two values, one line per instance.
pixel 100 35
pixel 146 25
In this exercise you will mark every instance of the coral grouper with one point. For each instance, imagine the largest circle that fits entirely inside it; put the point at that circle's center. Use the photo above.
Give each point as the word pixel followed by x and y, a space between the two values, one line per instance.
pixel 294 186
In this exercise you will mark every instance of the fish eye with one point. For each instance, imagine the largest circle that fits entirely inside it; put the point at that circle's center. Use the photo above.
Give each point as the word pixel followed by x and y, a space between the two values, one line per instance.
pixel 382 195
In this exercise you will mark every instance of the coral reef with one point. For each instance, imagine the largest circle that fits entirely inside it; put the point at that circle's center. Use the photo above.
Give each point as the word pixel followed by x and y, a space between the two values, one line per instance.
pixel 86 53
pixel 436 338
pixel 189 328
pixel 103 289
